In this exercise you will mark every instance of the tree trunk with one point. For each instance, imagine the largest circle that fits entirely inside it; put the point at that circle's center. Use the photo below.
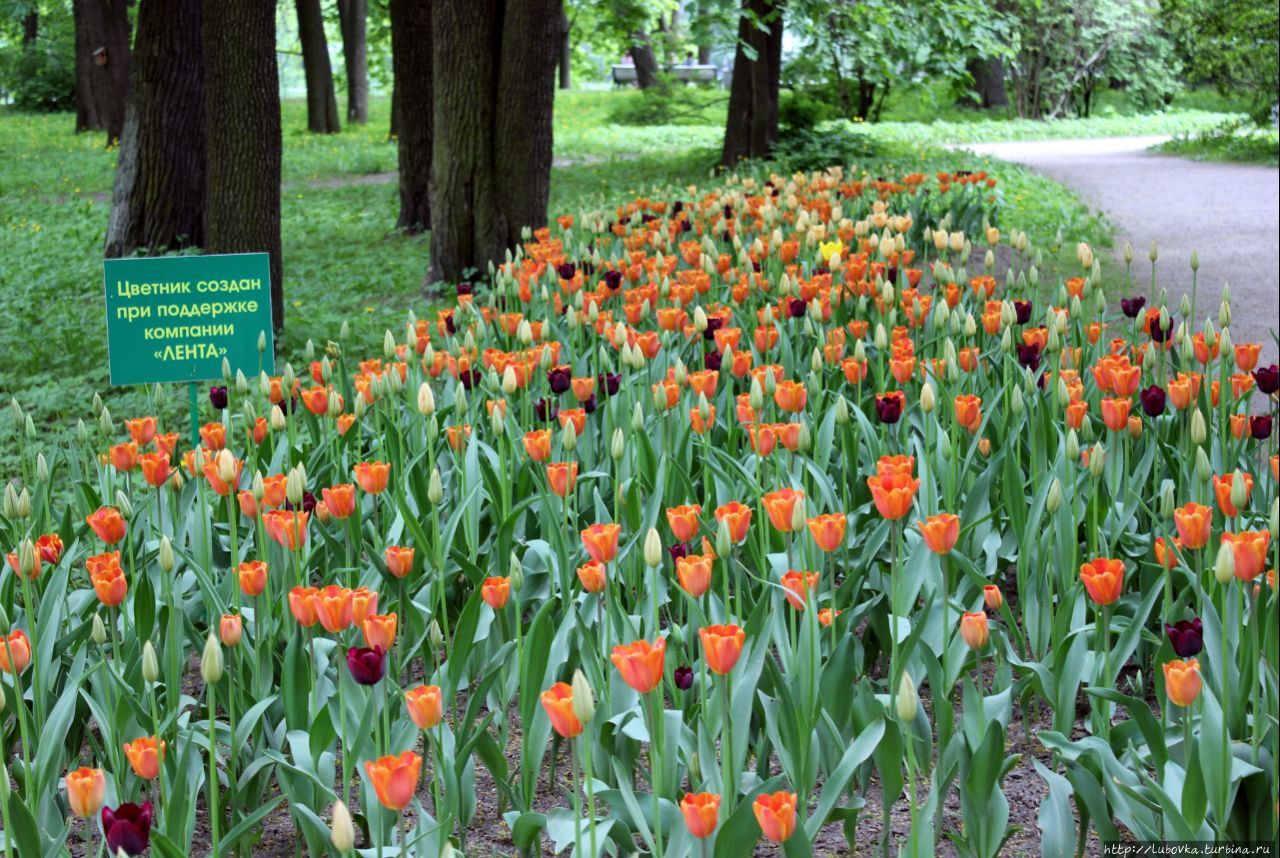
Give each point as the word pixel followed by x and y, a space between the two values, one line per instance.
pixel 702 32
pixel 159 196
pixel 566 53
pixel 494 76
pixel 988 84
pixel 102 65
pixel 322 102
pixel 752 125
pixel 30 28
pixel 645 59
pixel 353 17
pixel 242 104
pixel 411 109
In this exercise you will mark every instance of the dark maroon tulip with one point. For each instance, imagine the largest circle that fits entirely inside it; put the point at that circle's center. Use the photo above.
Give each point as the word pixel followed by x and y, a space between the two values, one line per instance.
pixel 678 550
pixel 1131 307
pixel 1160 334
pixel 308 503
pixel 449 324
pixel 470 378
pixel 891 274
pixel 559 378
pixel 888 408
pixel 1267 378
pixel 795 308
pixel 684 677
pixel 546 410
pixel 1028 355
pixel 1153 400
pixel 589 404
pixel 465 288
pixel 366 664
pixel 127 828
pixel 728 212
pixel 714 323
pixel 607 383
pixel 1186 637
pixel 566 270
pixel 1260 427
pixel 1023 311
pixel 613 279
pixel 712 360
pixel 218 397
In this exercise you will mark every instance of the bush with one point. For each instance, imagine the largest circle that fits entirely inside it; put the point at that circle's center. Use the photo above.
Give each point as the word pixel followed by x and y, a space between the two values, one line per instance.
pixel 40 77
pixel 669 105
pixel 810 149
pixel 805 109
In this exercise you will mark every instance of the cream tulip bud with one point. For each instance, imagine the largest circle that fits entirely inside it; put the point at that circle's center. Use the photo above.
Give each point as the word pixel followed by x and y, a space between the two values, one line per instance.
pixel 150 664
pixel 584 699
pixel 342 833
pixel 1224 566
pixel 652 548
pixel 211 660
pixel 908 701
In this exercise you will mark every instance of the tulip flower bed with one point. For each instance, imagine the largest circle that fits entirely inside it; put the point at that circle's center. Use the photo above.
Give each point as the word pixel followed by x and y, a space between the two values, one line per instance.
pixel 693 527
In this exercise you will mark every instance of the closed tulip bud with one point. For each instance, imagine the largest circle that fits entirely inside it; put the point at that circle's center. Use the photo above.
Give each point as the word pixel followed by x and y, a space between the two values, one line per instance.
pixel 105 423
pixel 1097 461
pixel 927 399
pixel 278 421
pixel 341 830
pixel 27 559
pixel 295 487
pixel 944 447
pixel 211 660
pixel 435 488
pixel 1203 469
pixel 1152 254
pixel 1199 431
pixel 1225 346
pixel 82 432
pixel 434 635
pixel 842 411
pixel 42 468
pixel 1128 252
pixel 569 436
pixel 908 702
pixel 637 418
pixel 150 664
pixel 1224 567
pixel 1053 501
pixel 122 502
pixel 652 548
pixel 804 441
pixel 1167 499
pixel 756 397
pixel 165 555
pixel 98 630
pixel 584 701
pixel 22 507
pixel 1275 520
pixel 1239 491
pixel 881 337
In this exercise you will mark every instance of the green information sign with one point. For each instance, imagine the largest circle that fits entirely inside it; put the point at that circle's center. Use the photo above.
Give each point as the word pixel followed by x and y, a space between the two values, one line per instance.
pixel 176 318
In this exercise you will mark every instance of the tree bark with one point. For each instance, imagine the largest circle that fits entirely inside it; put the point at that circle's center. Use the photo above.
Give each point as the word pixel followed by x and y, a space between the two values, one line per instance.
pixel 645 59
pixel 494 86
pixel 353 17
pixel 322 102
pixel 242 105
pixel 988 83
pixel 30 28
pixel 102 65
pixel 752 125
pixel 566 53
pixel 159 196
pixel 411 109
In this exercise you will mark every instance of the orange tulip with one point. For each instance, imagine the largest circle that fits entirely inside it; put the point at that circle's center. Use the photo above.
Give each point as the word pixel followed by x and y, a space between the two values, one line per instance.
pixel 737 517
pixel 332 606
pixel 562 477
pixel 394 778
pixel 992 597
pixel 399 560
pixel 974 629
pixel 155 468
pixel 797 586
pixel 253 577
pixel 721 646
pixel 969 412
pixel 340 500
pixel 214 436
pixel 940 532
pixel 275 491
pixel 107 523
pixel 1222 491
pixel 893 494
pixel 110 584
pixel 640 664
pixel 537 444
pixel 593 576
pixel 558 701
pixel 302 605
pixel 16 643
pixel 781 507
pixel 684 521
pixel 145 755
pixel 380 630
pixel 495 592
pixel 828 530
pixel 364 604
pixel 248 503
pixel 425 705
pixel 372 476
pixel 1103 579
pixel 287 528
pixel 776 815
pixel 1194 522
pixel 601 541
pixel 141 429
pixel 701 811
pixel 1182 681
pixel 694 572
pixel 1249 550
pixel 1247 356
pixel 1115 412
pixel 230 629
pixel 790 396
pixel 86 789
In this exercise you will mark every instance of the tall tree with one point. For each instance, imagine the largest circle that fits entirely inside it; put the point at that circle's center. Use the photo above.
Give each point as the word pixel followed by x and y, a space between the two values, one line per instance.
pixel 565 61
pixel 752 125
pixel 322 102
pixel 353 19
pixel 645 59
pixel 30 27
pixel 102 65
pixel 159 197
pixel 411 109
pixel 494 87
pixel 242 114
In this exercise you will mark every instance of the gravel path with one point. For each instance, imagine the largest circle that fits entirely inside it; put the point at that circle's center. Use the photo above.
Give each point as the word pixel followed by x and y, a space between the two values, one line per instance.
pixel 1228 212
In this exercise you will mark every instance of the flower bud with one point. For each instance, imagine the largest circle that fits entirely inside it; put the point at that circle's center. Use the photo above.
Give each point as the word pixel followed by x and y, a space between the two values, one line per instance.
pixel 435 488
pixel 211 660
pixel 165 555
pixel 341 830
pixel 1224 567
pixel 98 630
pixel 618 444
pixel 1199 431
pixel 278 420
pixel 1167 499
pixel 434 635
pixel 1097 461
pixel 1239 491
pixel 27 559
pixel 1053 501
pixel 1203 469
pixel 515 572
pixel 584 702
pixel 652 548
pixel 122 503
pixel 908 702
pixel 927 399
pixel 42 468
pixel 150 664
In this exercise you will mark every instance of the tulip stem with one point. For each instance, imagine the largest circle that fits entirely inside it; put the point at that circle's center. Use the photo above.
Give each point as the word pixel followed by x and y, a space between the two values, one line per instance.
pixel 577 801
pixel 214 821
pixel 591 795
pixel 726 749
pixel 655 767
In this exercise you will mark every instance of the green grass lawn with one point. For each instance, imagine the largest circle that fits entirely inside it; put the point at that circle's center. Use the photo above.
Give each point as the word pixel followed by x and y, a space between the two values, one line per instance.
pixel 1235 142
pixel 343 260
